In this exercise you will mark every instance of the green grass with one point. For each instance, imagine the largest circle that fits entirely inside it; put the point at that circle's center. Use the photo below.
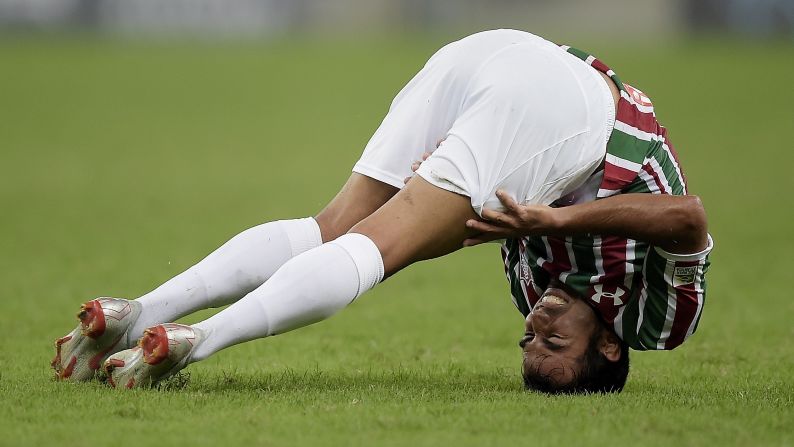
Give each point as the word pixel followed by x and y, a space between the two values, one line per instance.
pixel 121 164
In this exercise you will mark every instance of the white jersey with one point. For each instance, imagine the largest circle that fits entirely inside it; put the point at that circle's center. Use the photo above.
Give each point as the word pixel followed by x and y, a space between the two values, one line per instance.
pixel 514 111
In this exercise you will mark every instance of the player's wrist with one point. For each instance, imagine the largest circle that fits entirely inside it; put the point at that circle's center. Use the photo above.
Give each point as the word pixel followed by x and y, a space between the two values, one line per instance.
pixel 554 221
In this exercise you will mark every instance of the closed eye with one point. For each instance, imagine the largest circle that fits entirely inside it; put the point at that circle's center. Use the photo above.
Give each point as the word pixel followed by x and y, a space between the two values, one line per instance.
pixel 552 346
pixel 528 337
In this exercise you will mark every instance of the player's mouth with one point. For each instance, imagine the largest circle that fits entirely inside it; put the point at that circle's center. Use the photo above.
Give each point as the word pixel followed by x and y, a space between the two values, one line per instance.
pixel 554 300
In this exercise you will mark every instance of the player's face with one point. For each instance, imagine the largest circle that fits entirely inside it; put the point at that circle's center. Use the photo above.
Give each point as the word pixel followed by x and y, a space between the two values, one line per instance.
pixel 558 331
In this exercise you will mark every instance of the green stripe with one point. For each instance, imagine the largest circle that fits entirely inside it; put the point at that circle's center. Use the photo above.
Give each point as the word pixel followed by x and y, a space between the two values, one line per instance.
pixel 631 312
pixel 703 286
pixel 618 82
pixel 638 186
pixel 583 55
pixel 585 263
pixel 655 313
pixel 631 315
pixel 668 167
pixel 578 53
pixel 628 147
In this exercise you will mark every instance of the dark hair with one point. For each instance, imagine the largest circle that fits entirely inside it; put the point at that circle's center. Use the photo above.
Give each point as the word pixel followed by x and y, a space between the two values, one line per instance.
pixel 597 374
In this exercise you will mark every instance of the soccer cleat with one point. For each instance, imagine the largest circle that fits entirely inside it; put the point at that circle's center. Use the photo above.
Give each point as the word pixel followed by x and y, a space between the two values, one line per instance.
pixel 104 325
pixel 161 352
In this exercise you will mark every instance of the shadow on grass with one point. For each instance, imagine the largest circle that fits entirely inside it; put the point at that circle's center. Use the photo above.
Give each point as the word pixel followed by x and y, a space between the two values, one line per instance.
pixel 453 383
pixel 442 380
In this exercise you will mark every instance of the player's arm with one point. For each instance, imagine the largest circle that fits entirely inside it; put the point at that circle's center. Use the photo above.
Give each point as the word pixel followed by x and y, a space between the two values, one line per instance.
pixel 676 224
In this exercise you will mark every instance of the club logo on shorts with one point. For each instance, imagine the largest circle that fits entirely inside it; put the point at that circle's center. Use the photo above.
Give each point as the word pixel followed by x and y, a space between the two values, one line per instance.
pixel 683 276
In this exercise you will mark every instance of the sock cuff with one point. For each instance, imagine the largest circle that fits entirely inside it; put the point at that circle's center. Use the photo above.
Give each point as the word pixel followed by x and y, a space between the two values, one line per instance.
pixel 302 234
pixel 365 256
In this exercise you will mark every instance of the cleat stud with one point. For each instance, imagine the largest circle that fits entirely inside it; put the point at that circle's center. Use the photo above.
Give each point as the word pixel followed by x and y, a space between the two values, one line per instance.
pixel 62 340
pixel 67 372
pixel 115 363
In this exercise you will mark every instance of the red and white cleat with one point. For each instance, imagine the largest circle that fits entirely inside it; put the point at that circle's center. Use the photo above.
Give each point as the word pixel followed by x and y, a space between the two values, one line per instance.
pixel 161 352
pixel 104 325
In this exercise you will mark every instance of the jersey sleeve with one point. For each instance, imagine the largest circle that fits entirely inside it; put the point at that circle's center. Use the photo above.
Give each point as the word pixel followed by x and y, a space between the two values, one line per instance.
pixel 670 301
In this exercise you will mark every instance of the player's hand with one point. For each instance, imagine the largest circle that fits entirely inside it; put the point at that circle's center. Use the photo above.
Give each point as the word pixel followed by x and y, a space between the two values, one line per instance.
pixel 517 220
pixel 415 165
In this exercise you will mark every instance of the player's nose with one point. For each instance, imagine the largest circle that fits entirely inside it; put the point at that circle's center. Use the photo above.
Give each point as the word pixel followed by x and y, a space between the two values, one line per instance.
pixel 540 318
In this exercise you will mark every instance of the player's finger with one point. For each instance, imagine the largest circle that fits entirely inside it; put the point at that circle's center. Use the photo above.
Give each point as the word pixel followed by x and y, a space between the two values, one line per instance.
pixel 415 165
pixel 487 228
pixel 507 201
pixel 500 218
pixel 426 155
pixel 480 239
pixel 405 180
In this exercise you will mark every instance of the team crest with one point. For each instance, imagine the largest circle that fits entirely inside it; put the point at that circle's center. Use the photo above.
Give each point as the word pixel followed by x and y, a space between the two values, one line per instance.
pixel 638 96
pixel 683 276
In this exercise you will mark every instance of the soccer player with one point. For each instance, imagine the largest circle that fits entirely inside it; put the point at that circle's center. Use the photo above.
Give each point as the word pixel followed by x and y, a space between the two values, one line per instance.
pixel 540 145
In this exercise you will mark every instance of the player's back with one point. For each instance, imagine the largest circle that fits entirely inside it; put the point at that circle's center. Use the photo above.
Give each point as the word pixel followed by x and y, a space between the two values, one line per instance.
pixel 434 98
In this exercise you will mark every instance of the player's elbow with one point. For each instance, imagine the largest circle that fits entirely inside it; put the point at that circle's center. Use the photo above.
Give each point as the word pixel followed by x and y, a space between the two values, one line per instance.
pixel 692 224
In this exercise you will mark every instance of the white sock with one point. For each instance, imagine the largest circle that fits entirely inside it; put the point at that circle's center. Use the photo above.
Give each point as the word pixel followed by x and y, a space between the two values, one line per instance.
pixel 307 289
pixel 239 266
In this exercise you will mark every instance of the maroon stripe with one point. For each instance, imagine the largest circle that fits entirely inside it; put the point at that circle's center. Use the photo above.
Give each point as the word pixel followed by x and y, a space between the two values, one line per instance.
pixel 532 296
pixel 649 170
pixel 600 66
pixel 562 262
pixel 548 258
pixel 629 113
pixel 686 306
pixel 616 177
pixel 613 255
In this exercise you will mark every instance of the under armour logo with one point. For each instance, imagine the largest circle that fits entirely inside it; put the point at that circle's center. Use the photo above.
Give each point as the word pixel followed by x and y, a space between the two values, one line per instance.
pixel 615 297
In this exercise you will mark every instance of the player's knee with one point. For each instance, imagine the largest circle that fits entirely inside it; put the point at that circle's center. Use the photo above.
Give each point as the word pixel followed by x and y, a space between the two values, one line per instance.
pixel 394 252
pixel 331 225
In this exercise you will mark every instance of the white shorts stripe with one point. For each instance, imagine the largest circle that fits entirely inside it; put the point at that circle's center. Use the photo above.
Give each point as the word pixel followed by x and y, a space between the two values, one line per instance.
pixel 671 304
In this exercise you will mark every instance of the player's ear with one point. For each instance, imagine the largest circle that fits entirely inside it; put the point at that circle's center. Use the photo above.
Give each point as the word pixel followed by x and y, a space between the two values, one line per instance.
pixel 609 345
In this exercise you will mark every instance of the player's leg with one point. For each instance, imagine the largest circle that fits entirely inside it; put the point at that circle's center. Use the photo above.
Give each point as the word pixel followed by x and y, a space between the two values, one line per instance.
pixel 420 222
pixel 414 124
pixel 250 258
pixel 359 197
pixel 242 264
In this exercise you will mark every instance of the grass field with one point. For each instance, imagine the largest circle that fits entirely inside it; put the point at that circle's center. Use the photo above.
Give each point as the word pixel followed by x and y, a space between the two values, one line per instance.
pixel 121 164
